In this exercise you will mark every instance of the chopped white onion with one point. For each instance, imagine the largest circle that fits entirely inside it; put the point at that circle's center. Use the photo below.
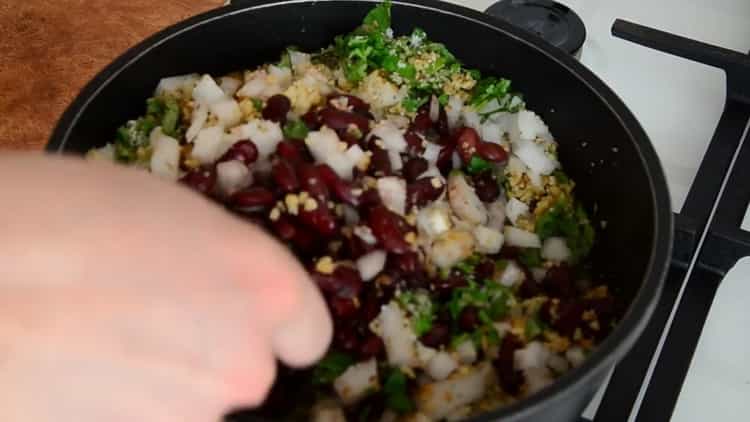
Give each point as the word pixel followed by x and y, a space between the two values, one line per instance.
pixel 521 238
pixel 533 355
pixel 451 247
pixel 300 61
pixel 528 126
pixel 496 214
pixel 434 220
pixel 370 264
pixel 197 120
pixel 539 273
pixel 365 233
pixel 439 399
pixel 434 109
pixel 537 378
pixel 207 91
pixel 489 241
pixel 209 145
pixel 395 159
pixel 534 157
pixel 467 352
pixel 397 335
pixel 464 200
pixel 453 110
pixel 232 176
pixel 165 159
pixel 558 363
pixel 265 134
pixel 511 275
pixel 357 381
pixel 431 152
pixel 555 249
pixel 392 191
pixel 575 356
pixel 392 137
pixel 441 365
pixel 325 147
pixel 177 86
pixel 229 85
pixel 471 119
pixel 227 111
pixel 515 209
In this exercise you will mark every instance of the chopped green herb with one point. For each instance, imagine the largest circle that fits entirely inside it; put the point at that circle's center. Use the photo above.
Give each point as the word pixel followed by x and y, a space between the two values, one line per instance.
pixel 485 334
pixel 531 257
pixel 572 223
pixel 412 104
pixel 561 177
pixel 490 297
pixel 295 129
pixel 257 103
pixel 330 367
pixel 443 99
pixel 396 393
pixel 420 308
pixel 379 18
pixel 534 327
pixel 171 117
pixel 469 265
pixel 488 89
pixel 478 165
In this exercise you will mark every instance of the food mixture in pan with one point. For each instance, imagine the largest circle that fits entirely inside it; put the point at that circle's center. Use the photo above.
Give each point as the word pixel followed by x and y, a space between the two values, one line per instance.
pixel 427 203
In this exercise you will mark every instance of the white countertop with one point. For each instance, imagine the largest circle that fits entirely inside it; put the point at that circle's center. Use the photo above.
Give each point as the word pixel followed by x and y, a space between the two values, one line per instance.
pixel 679 103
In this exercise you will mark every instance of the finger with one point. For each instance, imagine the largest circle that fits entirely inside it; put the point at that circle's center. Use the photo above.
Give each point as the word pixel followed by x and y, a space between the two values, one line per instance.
pixel 286 301
pixel 304 339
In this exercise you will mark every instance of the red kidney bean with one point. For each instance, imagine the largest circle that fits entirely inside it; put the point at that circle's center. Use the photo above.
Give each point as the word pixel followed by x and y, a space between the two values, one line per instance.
pixel 320 219
pixel 342 307
pixel 422 192
pixel 341 189
pixel 414 168
pixel 285 176
pixel 491 152
pixel 346 339
pixel 289 151
pixel 558 282
pixel 509 252
pixel 467 140
pixel 369 199
pixel 341 120
pixel 485 269
pixel 312 182
pixel 414 143
pixel 305 241
pixel 445 159
pixel 468 320
pixel 312 119
pixel 486 187
pixel 390 229
pixel 276 108
pixel 530 287
pixel 244 151
pixel 439 335
pixel 570 317
pixel 442 123
pixel 510 379
pixel 445 286
pixel 202 180
pixel 284 228
pixel 545 312
pixel 371 347
pixel 380 163
pixel 252 197
pixel 421 122
pixel 357 104
pixel 407 263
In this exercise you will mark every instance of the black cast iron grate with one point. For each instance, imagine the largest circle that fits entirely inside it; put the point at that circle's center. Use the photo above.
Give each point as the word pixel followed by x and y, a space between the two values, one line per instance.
pixel 645 386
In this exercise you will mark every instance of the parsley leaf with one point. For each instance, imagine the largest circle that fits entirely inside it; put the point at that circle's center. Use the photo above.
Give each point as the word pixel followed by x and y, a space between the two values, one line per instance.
pixel 295 129
pixel 531 257
pixel 330 367
pixel 478 165
pixel 396 393
pixel 570 222
pixel 379 18
pixel 421 309
pixel 534 327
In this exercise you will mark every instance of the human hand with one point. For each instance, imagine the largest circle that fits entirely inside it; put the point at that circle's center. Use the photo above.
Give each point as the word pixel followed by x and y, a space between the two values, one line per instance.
pixel 126 298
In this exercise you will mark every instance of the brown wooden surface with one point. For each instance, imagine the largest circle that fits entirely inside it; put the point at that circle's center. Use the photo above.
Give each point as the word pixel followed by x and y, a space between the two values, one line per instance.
pixel 49 49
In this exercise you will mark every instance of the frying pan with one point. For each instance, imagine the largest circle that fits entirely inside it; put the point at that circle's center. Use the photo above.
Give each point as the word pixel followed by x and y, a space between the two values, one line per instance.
pixel 602 147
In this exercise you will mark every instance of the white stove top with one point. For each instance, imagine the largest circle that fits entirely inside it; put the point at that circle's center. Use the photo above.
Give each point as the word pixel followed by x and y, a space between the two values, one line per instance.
pixel 679 103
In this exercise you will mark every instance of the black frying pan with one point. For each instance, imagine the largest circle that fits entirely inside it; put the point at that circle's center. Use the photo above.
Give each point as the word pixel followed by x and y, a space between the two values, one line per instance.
pixel 602 146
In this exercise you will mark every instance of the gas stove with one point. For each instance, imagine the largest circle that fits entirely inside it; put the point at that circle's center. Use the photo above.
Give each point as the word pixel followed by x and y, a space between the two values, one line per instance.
pixel 690 363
